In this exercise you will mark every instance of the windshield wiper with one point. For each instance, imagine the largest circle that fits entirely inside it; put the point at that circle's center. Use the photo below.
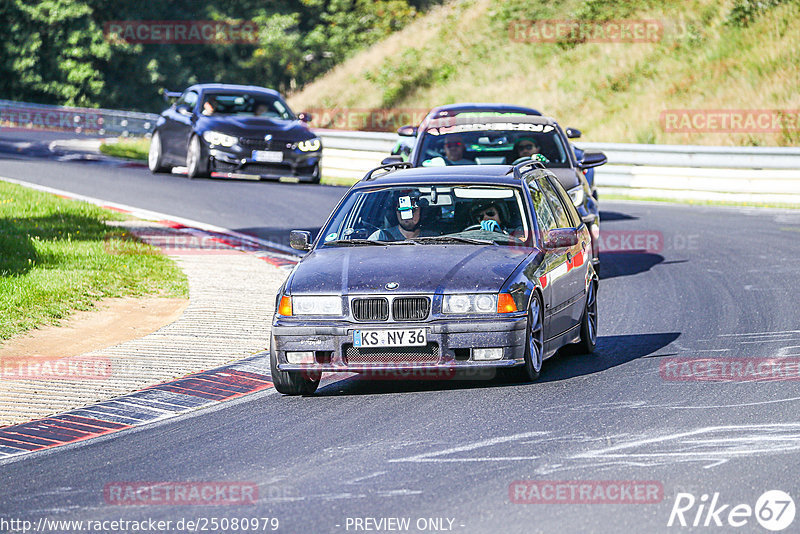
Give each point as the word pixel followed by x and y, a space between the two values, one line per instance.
pixel 451 238
pixel 354 242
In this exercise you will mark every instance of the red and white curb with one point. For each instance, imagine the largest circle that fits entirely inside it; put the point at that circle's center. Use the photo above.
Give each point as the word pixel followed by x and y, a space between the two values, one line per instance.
pixel 166 400
pixel 155 403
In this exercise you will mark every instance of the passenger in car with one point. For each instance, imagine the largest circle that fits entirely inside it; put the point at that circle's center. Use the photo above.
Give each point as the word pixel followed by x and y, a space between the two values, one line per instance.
pixel 454 151
pixel 409 218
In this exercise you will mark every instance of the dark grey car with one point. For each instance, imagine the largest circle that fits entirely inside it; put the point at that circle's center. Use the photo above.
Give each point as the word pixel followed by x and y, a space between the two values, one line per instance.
pixel 438 269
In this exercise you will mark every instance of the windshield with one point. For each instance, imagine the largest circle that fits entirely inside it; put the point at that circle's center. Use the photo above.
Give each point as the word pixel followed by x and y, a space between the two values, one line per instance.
pixel 492 144
pixel 424 214
pixel 247 105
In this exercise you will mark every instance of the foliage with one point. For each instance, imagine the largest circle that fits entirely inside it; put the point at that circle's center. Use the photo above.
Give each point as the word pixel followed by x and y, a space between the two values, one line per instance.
pixel 56 51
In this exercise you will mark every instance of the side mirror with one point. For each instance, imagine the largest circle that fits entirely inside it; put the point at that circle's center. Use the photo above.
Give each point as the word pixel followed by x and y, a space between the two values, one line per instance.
pixel 573 133
pixel 305 116
pixel 300 240
pixel 392 159
pixel 560 238
pixel 592 159
pixel 407 131
pixel 183 109
pixel 170 95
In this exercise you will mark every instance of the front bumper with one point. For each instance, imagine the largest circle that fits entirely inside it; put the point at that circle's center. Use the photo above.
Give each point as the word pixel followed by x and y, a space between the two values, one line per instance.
pixel 450 344
pixel 231 160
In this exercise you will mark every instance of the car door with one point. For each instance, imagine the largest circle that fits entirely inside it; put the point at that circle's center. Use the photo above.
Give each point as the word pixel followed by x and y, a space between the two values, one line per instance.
pixel 178 126
pixel 554 264
pixel 575 256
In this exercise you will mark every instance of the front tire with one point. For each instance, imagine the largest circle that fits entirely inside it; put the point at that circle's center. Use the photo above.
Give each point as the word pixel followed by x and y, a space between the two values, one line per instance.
pixel 290 382
pixel 588 340
pixel 155 156
pixel 196 164
pixel 534 344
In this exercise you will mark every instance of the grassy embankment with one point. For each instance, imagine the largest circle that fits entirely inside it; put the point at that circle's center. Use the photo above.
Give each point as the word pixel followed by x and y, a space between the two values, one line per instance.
pixel 735 54
pixel 57 255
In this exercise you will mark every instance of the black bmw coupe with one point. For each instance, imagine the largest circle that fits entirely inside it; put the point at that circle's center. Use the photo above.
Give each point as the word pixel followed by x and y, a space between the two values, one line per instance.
pixel 234 131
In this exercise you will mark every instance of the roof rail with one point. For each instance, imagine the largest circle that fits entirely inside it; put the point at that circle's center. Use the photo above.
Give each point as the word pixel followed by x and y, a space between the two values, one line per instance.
pixel 519 168
pixel 388 168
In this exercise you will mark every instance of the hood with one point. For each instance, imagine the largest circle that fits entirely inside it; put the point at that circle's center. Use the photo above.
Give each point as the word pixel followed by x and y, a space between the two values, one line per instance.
pixel 427 269
pixel 567 177
pixel 256 127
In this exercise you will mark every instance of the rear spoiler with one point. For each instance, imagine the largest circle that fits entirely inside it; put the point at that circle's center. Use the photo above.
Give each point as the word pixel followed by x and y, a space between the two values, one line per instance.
pixel 170 95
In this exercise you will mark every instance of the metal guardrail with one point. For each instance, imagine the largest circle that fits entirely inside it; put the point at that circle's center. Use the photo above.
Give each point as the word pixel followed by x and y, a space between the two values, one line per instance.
pixel 770 174
pixel 349 155
pixel 83 121
pixel 698 156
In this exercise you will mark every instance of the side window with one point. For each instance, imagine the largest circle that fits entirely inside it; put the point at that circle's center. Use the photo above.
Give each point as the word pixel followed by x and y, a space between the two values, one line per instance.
pixel 190 99
pixel 544 214
pixel 559 212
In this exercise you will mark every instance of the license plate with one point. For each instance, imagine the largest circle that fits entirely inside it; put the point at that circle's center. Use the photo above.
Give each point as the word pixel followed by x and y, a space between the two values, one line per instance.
pixel 268 156
pixel 409 337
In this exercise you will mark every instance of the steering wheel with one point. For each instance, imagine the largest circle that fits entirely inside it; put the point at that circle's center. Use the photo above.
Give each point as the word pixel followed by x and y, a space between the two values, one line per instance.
pixel 543 159
pixel 478 227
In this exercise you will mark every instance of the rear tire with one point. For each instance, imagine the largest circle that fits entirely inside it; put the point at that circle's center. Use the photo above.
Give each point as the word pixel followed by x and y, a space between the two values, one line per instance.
pixel 196 164
pixel 290 382
pixel 588 340
pixel 155 156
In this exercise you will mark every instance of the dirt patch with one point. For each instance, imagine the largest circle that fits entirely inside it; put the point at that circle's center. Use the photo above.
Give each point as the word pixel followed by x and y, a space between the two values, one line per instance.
pixel 113 321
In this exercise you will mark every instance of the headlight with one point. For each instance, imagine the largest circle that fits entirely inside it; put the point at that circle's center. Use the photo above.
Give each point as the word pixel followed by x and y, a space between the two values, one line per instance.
pixel 316 305
pixel 478 303
pixel 217 138
pixel 576 194
pixel 309 145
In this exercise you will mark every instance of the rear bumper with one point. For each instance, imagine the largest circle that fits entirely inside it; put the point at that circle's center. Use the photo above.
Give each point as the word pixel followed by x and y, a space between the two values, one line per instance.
pixel 450 346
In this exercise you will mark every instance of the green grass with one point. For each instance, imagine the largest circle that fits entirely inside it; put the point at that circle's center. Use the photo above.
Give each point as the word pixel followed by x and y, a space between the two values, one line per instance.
pixel 128 148
pixel 57 255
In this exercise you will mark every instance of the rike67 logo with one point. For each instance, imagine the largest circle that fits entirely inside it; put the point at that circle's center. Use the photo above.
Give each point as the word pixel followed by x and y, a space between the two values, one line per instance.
pixel 774 510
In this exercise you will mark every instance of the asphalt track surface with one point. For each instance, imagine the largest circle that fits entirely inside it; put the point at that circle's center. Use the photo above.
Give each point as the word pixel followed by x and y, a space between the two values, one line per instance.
pixel 717 283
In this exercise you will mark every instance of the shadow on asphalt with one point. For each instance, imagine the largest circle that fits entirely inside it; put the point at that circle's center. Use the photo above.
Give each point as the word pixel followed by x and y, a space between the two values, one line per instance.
pixel 614 264
pixel 615 216
pixel 611 351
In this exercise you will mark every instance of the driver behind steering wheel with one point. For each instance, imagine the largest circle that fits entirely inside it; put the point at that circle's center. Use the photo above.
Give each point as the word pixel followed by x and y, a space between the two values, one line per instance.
pixel 527 148
pixel 489 216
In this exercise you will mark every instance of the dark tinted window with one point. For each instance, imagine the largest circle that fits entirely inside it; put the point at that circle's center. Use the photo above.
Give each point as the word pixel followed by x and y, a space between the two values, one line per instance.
pixel 544 214
pixel 559 212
